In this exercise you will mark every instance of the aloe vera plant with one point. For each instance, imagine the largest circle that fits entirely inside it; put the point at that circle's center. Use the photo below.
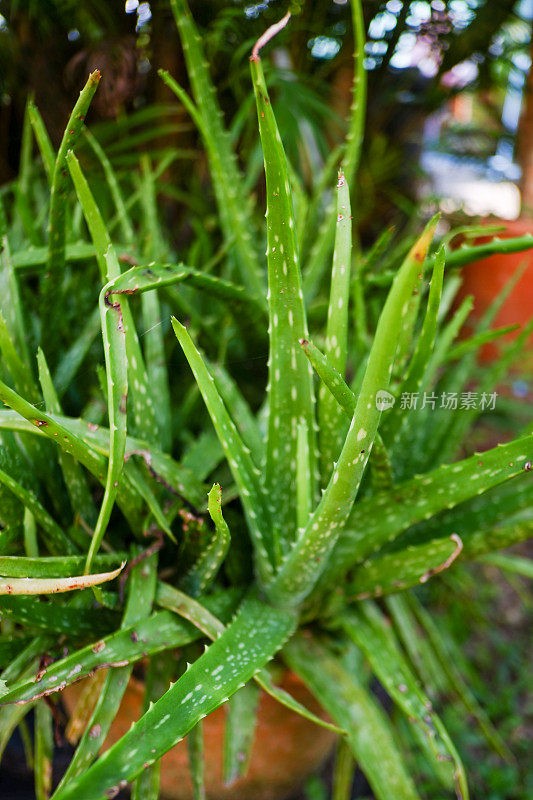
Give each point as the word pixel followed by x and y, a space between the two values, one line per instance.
pixel 270 535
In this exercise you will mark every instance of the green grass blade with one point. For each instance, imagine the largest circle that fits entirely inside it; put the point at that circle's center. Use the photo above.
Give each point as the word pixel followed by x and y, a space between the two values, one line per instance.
pixel 239 732
pixel 330 416
pixel 306 561
pixel 290 383
pixel 349 702
pixel 51 285
pixel 236 656
pixel 205 569
pixel 244 471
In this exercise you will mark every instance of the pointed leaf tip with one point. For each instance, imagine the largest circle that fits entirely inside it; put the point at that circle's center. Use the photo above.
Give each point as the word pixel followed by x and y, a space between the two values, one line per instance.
pixel 268 35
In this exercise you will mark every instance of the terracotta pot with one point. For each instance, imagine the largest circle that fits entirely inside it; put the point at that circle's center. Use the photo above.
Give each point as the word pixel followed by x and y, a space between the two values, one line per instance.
pixel 287 748
pixel 486 278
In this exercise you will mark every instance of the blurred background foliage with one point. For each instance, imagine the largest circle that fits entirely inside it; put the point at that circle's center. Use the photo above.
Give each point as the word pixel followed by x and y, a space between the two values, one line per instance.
pixel 423 60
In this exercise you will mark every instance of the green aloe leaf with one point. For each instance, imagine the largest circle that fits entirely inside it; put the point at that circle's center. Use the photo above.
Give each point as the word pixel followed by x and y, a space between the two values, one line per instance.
pixel 10 305
pixel 305 563
pixel 201 616
pixel 330 416
pixel 43 141
pixel 423 351
pixel 447 659
pixel 205 568
pixel 55 266
pixel 510 563
pixel 479 339
pixel 195 743
pixel 381 467
pixel 141 590
pixel 290 384
pixel 126 227
pixel 29 586
pixel 153 339
pixel 382 518
pixel 239 732
pixel 151 635
pixel 240 411
pixel 159 675
pixel 57 541
pixel 402 569
pixel 57 618
pixel 469 253
pixel 89 444
pixel 26 260
pixel 72 359
pixel 244 471
pixel 52 566
pixel 368 630
pixel 235 657
pixel 323 246
pixel 343 772
pixel 78 490
pixel 153 276
pixel 144 417
pixel 44 749
pixel 350 703
pixel 232 202
pixel 117 391
pixel 18 369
